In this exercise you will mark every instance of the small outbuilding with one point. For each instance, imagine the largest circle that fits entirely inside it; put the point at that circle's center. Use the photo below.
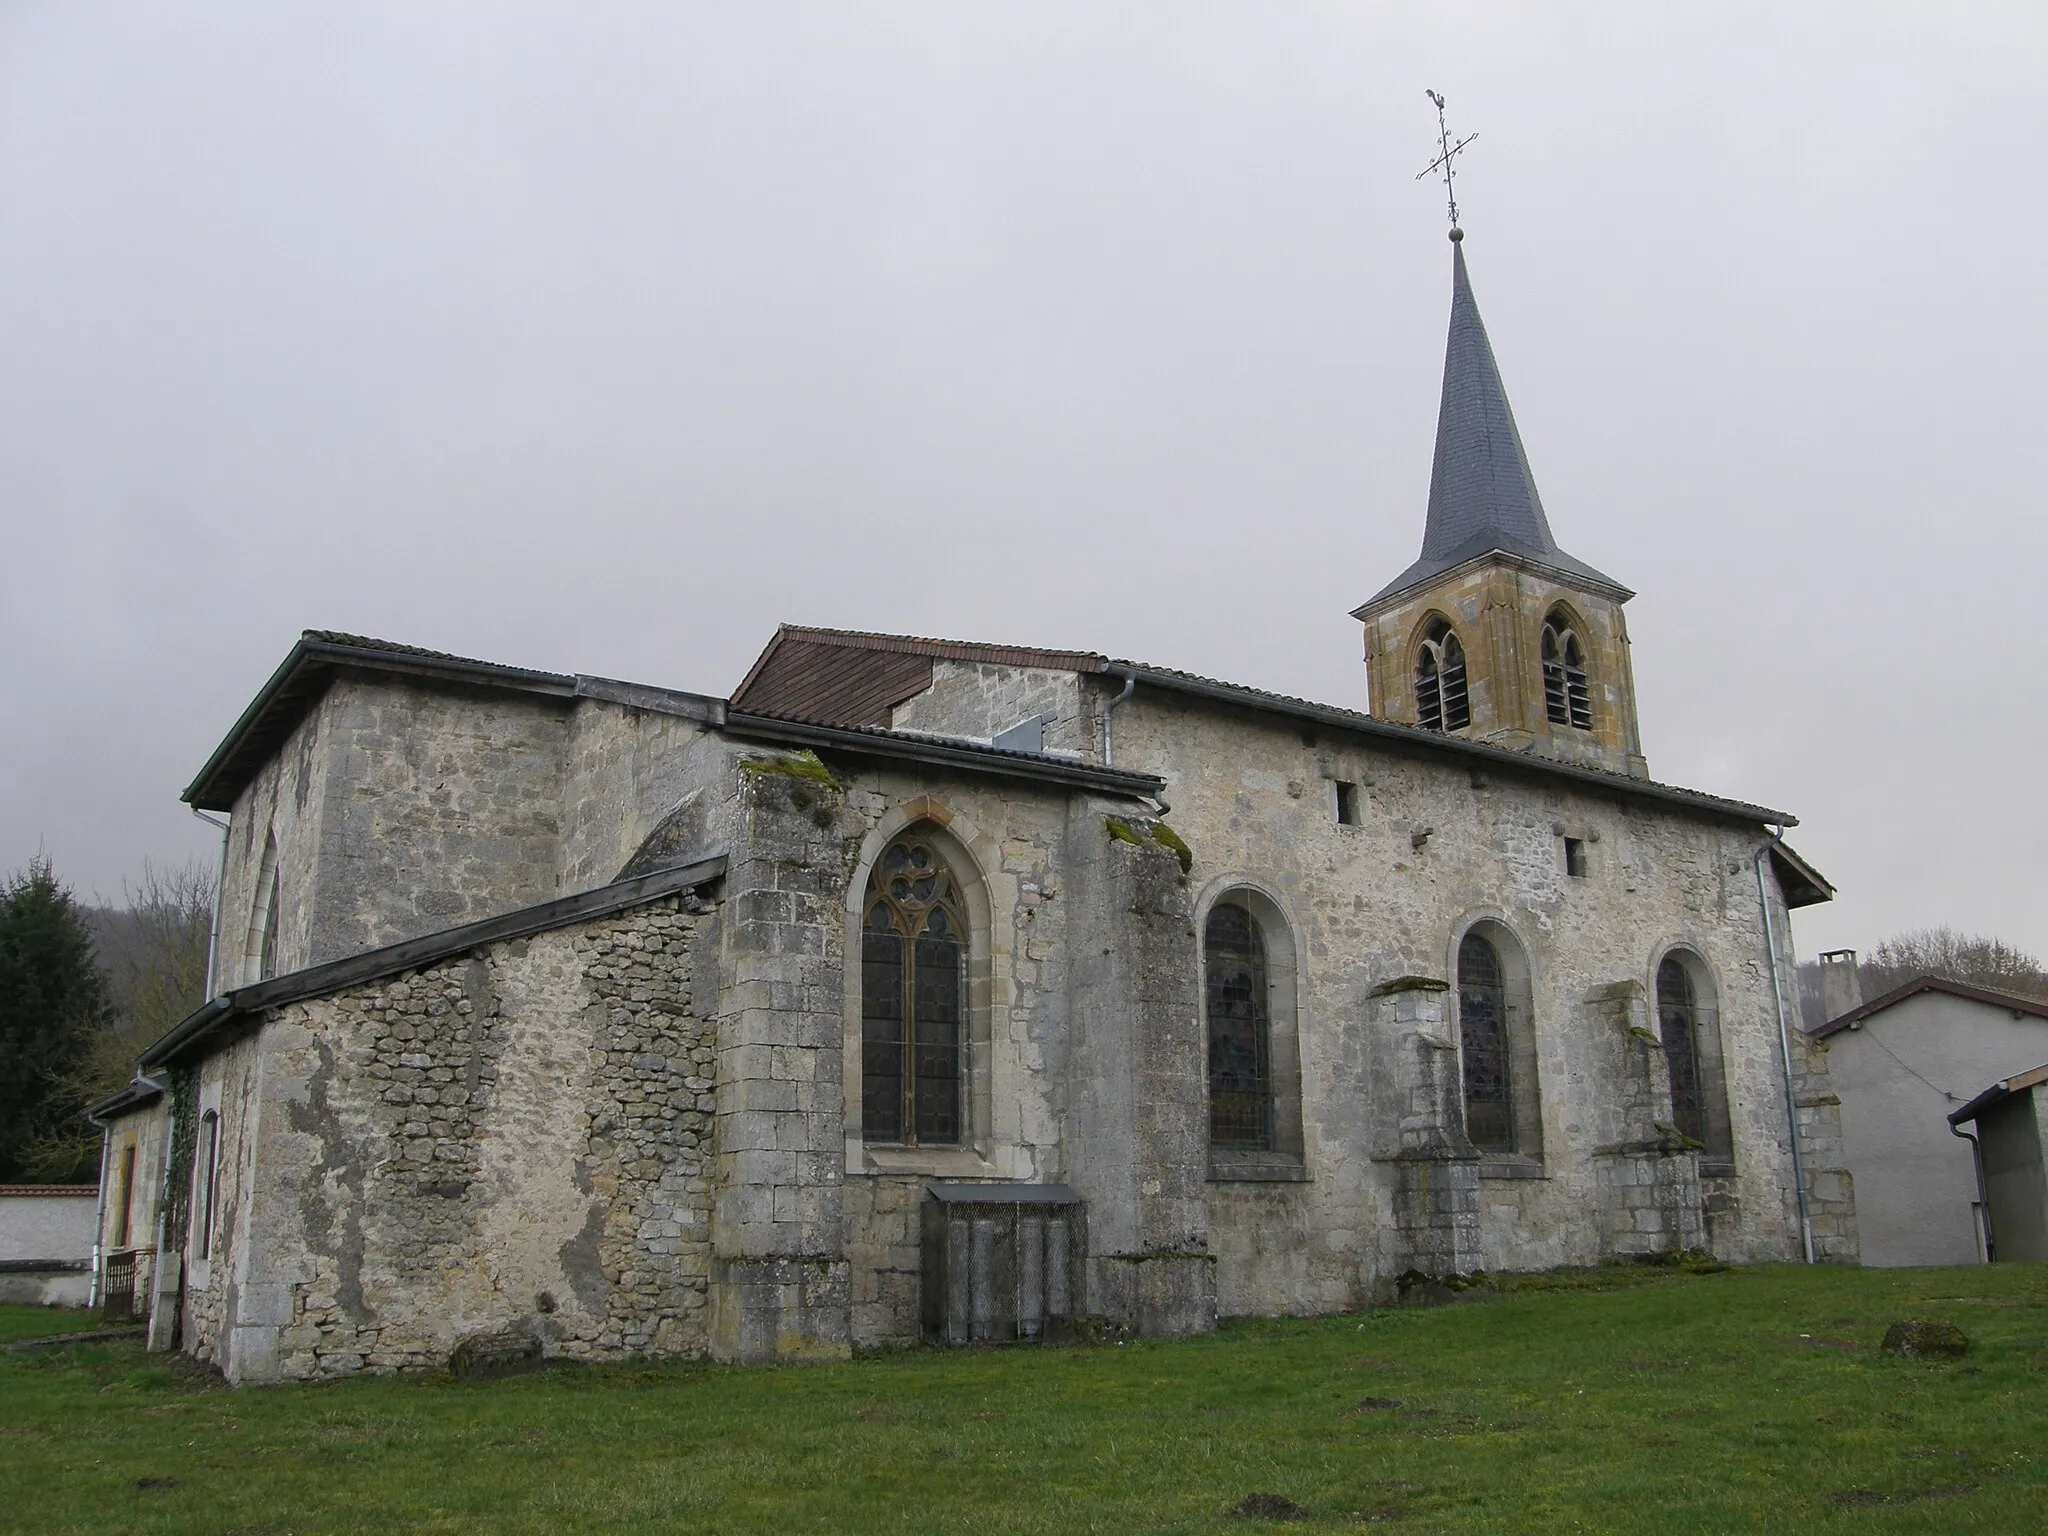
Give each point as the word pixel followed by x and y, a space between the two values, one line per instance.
pixel 46 1237
pixel 2011 1165
pixel 1901 1065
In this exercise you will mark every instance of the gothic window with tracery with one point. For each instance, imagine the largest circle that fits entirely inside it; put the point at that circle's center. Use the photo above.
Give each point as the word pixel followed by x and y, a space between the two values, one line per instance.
pixel 913 996
pixel 1240 1030
pixel 1441 703
pixel 1566 698
pixel 1483 1046
pixel 1678 1022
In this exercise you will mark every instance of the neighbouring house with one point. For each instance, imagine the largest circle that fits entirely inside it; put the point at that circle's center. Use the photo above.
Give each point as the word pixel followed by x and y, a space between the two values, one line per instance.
pixel 2012 1170
pixel 46 1244
pixel 945 990
pixel 1901 1065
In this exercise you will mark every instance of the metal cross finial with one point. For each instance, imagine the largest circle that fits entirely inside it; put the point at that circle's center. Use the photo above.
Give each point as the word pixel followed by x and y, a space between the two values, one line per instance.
pixel 1447 151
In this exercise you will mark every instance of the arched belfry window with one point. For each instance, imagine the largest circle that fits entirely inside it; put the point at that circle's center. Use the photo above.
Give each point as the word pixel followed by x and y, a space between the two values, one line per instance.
pixel 913 988
pixel 1566 699
pixel 1240 1030
pixel 259 953
pixel 1678 1022
pixel 1441 703
pixel 1483 1049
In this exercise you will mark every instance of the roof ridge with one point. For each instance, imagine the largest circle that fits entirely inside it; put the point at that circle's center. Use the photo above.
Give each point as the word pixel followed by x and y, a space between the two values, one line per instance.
pixel 877 640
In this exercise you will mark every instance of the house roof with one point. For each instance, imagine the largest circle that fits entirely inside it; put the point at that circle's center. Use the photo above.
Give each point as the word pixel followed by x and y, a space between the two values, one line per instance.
pixel 1482 493
pixel 856 677
pixel 130 1095
pixel 1997 1091
pixel 49 1191
pixel 191 1032
pixel 2011 1001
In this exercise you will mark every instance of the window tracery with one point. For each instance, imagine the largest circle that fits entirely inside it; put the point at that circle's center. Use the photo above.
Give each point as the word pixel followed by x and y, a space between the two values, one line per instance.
pixel 913 985
pixel 1441 699
pixel 1566 698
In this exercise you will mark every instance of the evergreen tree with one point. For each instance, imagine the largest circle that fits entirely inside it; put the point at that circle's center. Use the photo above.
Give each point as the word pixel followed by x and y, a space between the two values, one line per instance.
pixel 53 1014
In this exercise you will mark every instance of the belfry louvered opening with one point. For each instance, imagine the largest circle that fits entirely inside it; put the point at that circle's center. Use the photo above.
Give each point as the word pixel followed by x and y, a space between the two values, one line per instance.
pixel 1441 703
pixel 1566 698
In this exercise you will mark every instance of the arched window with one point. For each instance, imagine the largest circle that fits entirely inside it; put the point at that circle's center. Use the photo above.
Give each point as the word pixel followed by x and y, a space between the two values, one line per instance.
pixel 1484 1052
pixel 259 954
pixel 913 990
pixel 1440 698
pixel 1565 697
pixel 1688 1023
pixel 1240 1030
pixel 206 1182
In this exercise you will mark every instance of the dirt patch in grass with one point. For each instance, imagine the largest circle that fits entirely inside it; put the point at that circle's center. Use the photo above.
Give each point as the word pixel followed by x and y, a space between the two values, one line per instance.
pixel 1268 1506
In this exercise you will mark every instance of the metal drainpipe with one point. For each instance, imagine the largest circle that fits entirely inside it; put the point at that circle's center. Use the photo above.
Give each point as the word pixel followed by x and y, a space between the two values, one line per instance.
pixel 1108 754
pixel 1983 1194
pixel 220 891
pixel 1784 1049
pixel 99 1215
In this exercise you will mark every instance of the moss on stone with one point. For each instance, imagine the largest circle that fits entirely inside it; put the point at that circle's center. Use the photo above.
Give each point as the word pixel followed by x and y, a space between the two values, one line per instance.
pixel 1123 832
pixel 799 765
pixel 1410 984
pixel 1151 835
pixel 1172 842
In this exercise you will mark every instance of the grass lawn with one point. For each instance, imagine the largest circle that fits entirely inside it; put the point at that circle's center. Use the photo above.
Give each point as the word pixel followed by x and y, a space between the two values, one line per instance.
pixel 1618 1401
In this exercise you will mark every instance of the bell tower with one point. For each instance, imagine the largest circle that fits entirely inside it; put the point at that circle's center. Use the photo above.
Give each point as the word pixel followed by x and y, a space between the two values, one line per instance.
pixel 1494 633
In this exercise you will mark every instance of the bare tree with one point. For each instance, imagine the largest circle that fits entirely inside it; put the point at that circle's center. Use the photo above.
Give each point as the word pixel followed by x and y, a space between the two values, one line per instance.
pixel 1977 960
pixel 153 950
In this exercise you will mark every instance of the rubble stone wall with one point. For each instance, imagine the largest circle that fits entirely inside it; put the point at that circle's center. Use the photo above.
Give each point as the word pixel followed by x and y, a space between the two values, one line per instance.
pixel 515 1139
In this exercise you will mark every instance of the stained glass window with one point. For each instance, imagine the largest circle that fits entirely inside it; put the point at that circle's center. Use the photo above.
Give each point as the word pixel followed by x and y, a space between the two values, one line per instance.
pixel 1240 1030
pixel 913 985
pixel 1483 1047
pixel 1678 1022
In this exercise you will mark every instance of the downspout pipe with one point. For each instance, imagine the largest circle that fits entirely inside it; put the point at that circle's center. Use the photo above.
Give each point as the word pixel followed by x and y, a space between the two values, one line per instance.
pixel 99 1216
pixel 1108 739
pixel 220 891
pixel 1784 1046
pixel 1983 1195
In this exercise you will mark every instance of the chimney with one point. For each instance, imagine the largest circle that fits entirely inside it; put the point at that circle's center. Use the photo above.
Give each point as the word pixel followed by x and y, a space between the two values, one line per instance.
pixel 1841 990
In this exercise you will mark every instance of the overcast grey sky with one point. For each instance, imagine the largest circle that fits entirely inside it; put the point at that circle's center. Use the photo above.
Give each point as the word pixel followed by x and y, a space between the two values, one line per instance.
pixel 601 337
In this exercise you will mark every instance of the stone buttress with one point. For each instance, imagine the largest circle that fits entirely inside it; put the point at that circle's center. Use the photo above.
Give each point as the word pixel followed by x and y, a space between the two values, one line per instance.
pixel 1136 1144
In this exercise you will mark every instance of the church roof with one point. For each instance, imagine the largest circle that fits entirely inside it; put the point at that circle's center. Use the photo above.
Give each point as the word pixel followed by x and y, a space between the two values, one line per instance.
pixel 851 677
pixel 1482 496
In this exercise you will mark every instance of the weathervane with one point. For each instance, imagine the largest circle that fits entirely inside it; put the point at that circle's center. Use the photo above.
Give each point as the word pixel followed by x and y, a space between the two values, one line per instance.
pixel 1447 151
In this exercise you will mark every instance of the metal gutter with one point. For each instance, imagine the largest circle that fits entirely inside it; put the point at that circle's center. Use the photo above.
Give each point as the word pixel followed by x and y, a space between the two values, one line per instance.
pixel 410 954
pixel 970 756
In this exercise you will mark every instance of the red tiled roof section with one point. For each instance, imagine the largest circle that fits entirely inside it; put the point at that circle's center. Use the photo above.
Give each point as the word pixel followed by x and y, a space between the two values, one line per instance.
pixel 60 1191
pixel 850 677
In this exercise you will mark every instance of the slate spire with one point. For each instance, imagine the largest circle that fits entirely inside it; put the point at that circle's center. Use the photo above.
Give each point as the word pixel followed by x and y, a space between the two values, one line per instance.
pixel 1482 496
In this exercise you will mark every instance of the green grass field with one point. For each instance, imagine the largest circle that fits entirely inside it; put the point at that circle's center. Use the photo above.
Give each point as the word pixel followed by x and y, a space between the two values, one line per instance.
pixel 1615 1401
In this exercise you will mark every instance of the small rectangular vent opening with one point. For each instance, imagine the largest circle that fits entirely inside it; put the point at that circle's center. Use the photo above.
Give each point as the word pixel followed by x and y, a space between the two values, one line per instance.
pixel 1347 803
pixel 1575 856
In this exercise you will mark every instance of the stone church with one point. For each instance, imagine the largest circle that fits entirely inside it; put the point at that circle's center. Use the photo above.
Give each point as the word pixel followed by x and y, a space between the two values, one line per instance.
pixel 945 991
